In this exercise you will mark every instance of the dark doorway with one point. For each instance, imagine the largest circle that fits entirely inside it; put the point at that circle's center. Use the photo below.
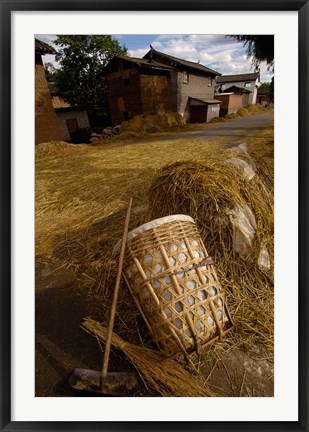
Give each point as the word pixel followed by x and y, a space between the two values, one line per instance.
pixel 72 126
pixel 197 114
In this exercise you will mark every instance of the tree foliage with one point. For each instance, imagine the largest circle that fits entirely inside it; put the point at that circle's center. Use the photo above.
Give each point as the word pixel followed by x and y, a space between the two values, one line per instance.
pixel 269 86
pixel 259 47
pixel 82 59
pixel 265 85
pixel 50 72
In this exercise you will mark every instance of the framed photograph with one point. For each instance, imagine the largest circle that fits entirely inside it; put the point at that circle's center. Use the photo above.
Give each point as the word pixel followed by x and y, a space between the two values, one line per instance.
pixel 184 93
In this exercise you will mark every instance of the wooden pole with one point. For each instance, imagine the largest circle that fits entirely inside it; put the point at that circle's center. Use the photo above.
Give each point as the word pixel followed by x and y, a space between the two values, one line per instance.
pixel 115 298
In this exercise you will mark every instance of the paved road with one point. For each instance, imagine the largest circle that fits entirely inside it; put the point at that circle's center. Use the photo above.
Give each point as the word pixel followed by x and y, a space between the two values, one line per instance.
pixel 237 129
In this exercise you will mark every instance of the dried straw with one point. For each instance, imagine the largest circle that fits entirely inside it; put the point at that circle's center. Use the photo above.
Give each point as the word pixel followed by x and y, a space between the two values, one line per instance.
pixel 81 192
pixel 164 375
pixel 207 191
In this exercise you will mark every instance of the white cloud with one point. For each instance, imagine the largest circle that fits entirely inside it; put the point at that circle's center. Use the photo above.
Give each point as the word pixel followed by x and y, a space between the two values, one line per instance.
pixel 218 52
pixel 139 53
pixel 48 38
pixel 157 44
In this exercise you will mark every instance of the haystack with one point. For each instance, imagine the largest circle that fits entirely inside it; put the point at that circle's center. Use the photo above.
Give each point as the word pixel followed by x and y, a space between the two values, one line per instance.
pixel 235 218
pixel 58 148
pixel 161 121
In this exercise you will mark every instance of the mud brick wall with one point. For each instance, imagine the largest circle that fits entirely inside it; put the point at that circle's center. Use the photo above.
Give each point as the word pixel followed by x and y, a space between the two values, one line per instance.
pixel 124 95
pixel 156 94
pixel 46 123
pixel 133 91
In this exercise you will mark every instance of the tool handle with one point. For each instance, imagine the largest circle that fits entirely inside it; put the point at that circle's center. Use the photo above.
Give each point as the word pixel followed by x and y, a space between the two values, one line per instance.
pixel 115 298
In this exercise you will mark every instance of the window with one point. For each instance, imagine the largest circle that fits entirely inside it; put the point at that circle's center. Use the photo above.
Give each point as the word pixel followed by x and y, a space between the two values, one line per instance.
pixel 209 81
pixel 126 115
pixel 126 81
pixel 248 84
pixel 185 77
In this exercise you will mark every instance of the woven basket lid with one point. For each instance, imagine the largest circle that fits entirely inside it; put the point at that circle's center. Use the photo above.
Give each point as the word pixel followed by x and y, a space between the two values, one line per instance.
pixel 153 224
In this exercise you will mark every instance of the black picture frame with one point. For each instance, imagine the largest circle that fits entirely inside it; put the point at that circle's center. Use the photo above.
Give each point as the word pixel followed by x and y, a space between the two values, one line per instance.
pixel 302 7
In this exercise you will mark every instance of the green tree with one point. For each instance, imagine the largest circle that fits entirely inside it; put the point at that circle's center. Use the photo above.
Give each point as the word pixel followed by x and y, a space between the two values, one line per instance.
pixel 265 85
pixel 259 47
pixel 50 72
pixel 269 86
pixel 82 59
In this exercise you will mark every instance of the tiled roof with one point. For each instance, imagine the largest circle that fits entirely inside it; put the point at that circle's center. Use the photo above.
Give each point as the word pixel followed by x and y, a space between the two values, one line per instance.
pixel 43 48
pixel 180 62
pixel 235 88
pixel 146 62
pixel 138 61
pixel 236 78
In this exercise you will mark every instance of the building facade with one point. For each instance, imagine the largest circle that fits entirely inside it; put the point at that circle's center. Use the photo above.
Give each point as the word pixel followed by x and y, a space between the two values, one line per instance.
pixel 193 87
pixel 70 119
pixel 136 86
pixel 160 83
pixel 249 82
pixel 233 99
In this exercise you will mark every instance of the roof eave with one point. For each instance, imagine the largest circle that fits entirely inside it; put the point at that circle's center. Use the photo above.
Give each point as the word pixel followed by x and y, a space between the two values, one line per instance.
pixel 179 62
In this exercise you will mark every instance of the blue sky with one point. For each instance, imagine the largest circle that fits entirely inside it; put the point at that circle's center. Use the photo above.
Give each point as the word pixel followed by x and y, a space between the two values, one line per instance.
pixel 217 52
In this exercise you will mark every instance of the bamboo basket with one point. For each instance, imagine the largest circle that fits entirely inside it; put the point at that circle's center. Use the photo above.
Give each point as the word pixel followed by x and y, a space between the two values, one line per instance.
pixel 175 285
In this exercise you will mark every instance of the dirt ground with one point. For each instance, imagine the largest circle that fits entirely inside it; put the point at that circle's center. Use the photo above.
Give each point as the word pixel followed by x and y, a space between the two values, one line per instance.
pixel 61 344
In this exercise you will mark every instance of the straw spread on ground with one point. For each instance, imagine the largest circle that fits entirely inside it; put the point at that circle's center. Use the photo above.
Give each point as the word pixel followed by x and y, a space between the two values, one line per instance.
pixel 164 375
pixel 81 196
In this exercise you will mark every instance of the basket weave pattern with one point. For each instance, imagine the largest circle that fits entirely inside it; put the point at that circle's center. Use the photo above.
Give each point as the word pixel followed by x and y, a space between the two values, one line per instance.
pixel 179 296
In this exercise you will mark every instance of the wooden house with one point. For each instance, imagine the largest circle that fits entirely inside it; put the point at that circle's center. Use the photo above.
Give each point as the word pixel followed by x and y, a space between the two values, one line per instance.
pixel 137 86
pixel 160 83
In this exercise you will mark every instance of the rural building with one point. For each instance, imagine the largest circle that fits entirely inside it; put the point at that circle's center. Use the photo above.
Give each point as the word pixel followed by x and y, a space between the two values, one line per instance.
pixel 233 99
pixel 159 82
pixel 249 82
pixel 193 87
pixel 137 86
pixel 263 96
pixel 46 124
pixel 70 119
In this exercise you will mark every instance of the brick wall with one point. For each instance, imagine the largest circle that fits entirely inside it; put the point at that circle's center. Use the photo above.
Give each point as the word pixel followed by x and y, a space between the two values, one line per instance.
pixel 46 123
pixel 248 85
pixel 231 103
